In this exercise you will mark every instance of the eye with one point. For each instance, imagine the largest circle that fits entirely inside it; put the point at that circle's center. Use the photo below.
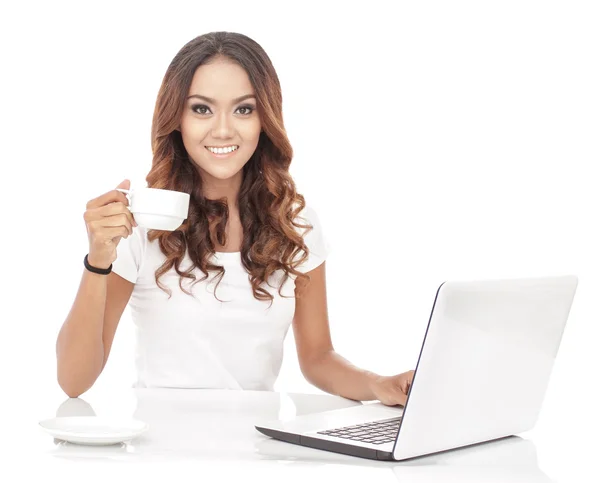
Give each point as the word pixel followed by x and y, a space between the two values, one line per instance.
pixel 195 108
pixel 249 110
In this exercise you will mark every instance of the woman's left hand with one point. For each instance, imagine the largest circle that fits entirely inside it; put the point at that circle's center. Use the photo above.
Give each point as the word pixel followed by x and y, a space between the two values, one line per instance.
pixel 392 390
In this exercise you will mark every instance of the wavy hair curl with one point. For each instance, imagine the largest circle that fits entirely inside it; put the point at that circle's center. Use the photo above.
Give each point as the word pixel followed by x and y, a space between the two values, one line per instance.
pixel 268 201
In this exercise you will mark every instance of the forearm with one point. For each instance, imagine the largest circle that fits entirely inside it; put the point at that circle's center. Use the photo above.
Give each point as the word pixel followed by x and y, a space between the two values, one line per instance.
pixel 336 375
pixel 79 347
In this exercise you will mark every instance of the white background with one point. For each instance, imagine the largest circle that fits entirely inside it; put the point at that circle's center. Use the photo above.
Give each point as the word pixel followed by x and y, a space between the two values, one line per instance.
pixel 437 141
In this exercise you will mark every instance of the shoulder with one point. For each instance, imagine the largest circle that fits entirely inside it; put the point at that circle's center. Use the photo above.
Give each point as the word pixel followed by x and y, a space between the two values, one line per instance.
pixel 317 244
pixel 308 216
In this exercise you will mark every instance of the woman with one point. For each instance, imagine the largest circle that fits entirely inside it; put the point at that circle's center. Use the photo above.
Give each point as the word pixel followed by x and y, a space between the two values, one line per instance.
pixel 217 134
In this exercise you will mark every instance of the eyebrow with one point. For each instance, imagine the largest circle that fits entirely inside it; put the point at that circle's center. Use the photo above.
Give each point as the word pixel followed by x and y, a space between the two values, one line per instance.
pixel 208 99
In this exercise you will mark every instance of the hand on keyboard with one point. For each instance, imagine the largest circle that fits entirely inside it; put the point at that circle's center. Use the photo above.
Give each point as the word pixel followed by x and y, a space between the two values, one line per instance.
pixel 392 390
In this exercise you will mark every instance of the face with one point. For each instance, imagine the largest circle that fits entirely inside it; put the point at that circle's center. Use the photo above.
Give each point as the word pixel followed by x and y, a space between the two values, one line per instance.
pixel 220 126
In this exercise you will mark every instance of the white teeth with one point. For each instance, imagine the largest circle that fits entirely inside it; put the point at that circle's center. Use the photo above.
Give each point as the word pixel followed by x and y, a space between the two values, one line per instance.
pixel 226 150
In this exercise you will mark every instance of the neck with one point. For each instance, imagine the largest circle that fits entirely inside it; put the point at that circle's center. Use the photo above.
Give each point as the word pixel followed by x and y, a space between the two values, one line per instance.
pixel 215 188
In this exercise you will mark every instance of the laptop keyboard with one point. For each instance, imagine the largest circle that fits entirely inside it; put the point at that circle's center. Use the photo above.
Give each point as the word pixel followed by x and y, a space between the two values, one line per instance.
pixel 377 432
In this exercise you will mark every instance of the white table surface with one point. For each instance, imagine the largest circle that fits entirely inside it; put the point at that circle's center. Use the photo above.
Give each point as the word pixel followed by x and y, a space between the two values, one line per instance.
pixel 197 433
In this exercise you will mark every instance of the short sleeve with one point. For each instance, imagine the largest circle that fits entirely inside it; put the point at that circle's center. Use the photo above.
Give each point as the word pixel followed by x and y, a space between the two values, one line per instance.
pixel 316 242
pixel 130 253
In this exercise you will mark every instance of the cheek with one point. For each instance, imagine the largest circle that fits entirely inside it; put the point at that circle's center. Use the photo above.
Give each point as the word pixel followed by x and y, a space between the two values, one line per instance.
pixel 250 133
pixel 192 130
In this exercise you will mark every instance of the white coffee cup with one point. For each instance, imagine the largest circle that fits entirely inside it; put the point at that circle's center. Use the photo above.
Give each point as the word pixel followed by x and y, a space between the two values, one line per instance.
pixel 158 209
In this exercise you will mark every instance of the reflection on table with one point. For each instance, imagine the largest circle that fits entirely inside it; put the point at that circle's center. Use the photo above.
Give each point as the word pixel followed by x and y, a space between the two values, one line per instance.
pixel 216 425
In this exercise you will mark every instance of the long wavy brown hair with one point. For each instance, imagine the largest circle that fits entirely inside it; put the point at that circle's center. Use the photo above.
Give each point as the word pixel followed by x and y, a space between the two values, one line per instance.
pixel 268 201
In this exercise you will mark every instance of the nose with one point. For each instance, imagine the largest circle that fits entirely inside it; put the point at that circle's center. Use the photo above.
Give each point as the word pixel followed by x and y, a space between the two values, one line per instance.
pixel 223 127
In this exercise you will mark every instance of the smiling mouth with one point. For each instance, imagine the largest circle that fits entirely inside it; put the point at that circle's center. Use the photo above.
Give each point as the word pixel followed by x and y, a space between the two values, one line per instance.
pixel 222 150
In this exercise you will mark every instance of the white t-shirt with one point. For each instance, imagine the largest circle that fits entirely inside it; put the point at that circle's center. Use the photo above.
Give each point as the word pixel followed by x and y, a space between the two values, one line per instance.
pixel 200 342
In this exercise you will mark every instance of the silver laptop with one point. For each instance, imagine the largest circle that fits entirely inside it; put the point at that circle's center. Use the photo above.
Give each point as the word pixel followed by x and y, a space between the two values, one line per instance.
pixel 482 374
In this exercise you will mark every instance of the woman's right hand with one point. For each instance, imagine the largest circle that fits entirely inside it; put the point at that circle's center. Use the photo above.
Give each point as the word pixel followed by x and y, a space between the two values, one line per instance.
pixel 107 220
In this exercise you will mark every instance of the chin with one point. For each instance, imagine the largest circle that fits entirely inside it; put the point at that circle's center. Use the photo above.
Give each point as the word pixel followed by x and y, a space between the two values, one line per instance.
pixel 222 172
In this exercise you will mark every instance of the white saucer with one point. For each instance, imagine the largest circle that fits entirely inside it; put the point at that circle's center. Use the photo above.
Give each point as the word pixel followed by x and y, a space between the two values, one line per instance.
pixel 93 430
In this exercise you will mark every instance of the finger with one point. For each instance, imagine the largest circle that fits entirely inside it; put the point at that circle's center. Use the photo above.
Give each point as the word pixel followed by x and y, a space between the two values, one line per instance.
pixel 106 198
pixel 125 184
pixel 400 396
pixel 400 382
pixel 405 386
pixel 109 233
pixel 117 208
pixel 112 195
pixel 393 396
pixel 111 210
pixel 116 231
pixel 111 221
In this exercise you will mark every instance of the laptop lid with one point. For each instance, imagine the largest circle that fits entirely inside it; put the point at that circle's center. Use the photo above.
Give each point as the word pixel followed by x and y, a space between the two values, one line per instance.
pixel 485 362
